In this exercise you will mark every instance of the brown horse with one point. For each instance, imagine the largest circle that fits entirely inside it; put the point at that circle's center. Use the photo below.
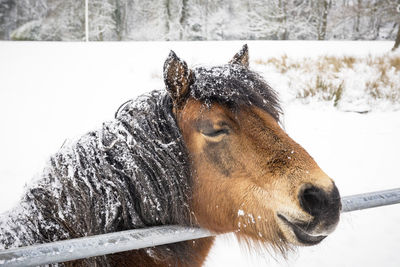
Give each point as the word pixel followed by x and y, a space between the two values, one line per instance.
pixel 210 153
pixel 249 176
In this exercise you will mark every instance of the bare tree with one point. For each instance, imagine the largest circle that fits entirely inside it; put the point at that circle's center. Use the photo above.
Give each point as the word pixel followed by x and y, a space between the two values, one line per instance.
pixel 359 9
pixel 324 20
pixel 183 18
pixel 167 7
pixel 397 42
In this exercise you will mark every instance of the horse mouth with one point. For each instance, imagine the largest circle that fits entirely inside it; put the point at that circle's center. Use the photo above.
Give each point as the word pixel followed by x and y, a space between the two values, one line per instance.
pixel 301 234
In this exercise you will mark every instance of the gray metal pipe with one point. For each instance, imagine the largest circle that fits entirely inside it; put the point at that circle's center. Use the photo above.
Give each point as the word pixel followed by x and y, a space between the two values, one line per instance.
pixel 85 247
pixel 371 200
pixel 91 246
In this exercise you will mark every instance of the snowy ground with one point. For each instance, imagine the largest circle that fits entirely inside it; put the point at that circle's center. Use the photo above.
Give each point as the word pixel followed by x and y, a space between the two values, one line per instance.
pixel 53 91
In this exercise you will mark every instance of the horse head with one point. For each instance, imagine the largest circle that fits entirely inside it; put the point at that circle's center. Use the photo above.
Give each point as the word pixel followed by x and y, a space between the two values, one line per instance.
pixel 249 176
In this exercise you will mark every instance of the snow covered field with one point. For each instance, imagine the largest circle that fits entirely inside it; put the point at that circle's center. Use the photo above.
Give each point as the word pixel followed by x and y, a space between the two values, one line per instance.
pixel 53 91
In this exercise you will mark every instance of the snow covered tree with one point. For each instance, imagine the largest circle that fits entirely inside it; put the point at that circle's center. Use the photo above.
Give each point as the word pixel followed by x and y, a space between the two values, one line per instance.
pixel 200 19
pixel 364 20
pixel 47 20
pixel 101 24
pixel 7 18
pixel 323 9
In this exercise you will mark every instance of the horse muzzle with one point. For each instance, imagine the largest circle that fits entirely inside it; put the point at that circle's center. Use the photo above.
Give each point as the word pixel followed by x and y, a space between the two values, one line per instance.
pixel 324 208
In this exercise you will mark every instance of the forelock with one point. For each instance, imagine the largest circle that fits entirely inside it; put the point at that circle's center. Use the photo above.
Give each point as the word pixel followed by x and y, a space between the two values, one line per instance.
pixel 234 86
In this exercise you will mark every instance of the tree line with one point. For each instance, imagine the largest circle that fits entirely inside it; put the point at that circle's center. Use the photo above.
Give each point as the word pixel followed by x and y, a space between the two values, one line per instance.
pixel 200 20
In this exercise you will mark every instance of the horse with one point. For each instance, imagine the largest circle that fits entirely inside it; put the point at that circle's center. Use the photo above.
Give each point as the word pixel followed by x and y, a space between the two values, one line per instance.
pixel 208 151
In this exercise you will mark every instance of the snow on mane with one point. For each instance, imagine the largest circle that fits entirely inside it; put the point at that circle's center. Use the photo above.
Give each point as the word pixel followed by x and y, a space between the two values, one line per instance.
pixel 131 173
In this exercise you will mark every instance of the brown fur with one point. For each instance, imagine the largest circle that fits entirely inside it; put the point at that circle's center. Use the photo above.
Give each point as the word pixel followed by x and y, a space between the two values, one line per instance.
pixel 257 168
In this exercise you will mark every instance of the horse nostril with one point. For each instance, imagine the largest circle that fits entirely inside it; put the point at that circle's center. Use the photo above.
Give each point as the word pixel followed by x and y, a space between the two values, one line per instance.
pixel 313 200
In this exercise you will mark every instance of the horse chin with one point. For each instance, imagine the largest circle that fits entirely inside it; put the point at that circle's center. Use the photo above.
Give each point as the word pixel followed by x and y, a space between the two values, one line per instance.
pixel 298 235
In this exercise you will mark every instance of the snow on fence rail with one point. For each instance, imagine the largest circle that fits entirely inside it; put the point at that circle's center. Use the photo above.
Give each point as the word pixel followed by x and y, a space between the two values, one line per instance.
pixel 85 247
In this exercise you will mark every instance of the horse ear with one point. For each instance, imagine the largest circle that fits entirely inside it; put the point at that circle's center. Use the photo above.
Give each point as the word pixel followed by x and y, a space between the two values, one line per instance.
pixel 177 77
pixel 242 57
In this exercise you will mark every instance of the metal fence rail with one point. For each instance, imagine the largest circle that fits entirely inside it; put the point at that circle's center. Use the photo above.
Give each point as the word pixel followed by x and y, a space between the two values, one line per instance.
pixel 85 247
pixel 371 200
pixel 91 246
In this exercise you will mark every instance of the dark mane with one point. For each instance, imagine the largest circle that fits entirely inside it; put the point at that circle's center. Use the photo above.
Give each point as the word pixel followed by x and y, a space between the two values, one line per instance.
pixel 234 85
pixel 131 173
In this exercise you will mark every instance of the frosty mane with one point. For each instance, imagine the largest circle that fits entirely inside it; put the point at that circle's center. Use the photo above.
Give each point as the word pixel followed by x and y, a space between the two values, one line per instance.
pixel 234 85
pixel 131 173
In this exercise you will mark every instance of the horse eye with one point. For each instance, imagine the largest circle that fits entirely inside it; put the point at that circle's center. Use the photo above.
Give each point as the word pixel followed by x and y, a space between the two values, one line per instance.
pixel 215 133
